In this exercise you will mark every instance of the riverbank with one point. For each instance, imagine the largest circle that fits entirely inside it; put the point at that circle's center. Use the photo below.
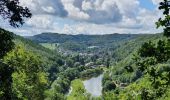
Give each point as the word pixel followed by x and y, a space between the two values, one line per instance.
pixel 94 85
pixel 79 87
pixel 78 91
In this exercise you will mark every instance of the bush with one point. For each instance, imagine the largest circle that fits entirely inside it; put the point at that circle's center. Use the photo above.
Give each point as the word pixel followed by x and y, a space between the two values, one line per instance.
pixel 109 86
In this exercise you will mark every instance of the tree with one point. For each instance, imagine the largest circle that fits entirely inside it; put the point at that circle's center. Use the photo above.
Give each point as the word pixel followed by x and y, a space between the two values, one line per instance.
pixel 152 55
pixel 6 81
pixel 147 50
pixel 29 77
pixel 6 43
pixel 10 9
pixel 165 21
pixel 78 91
pixel 109 86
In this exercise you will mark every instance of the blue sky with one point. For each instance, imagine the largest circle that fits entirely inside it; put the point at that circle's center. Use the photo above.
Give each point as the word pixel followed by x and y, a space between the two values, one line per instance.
pixel 148 4
pixel 89 17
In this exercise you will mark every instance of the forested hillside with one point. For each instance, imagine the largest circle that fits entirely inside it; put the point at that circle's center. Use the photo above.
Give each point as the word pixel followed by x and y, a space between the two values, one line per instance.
pixel 41 69
pixel 84 43
pixel 54 66
pixel 118 59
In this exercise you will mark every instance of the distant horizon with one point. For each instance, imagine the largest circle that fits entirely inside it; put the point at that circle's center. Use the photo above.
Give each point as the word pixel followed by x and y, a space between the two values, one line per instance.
pixel 88 17
pixel 92 34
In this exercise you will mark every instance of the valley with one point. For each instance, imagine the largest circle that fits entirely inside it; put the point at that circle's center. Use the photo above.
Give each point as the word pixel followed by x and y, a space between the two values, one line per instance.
pixel 95 55
pixel 103 69
pixel 84 50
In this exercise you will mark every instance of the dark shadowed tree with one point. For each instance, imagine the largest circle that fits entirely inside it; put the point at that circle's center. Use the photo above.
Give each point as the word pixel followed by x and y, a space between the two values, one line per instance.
pixel 15 14
pixel 6 43
pixel 11 10
pixel 6 82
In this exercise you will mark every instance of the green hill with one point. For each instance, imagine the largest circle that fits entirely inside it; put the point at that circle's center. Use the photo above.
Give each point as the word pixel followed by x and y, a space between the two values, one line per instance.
pixel 69 57
pixel 83 43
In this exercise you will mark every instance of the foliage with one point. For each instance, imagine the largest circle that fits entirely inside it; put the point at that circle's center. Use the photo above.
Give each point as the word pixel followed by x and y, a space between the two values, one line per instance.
pixel 6 81
pixel 72 73
pixel 91 73
pixel 161 51
pixel 28 68
pixel 54 95
pixel 152 55
pixel 151 65
pixel 78 91
pixel 83 43
pixel 6 45
pixel 10 9
pixel 6 42
pixel 110 96
pixel 165 21
pixel 109 85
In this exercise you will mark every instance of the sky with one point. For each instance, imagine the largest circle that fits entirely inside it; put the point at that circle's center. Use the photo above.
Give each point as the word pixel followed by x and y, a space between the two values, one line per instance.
pixel 88 17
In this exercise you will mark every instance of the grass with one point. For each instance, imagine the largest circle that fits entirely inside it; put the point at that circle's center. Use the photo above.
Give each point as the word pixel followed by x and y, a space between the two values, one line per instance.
pixel 51 46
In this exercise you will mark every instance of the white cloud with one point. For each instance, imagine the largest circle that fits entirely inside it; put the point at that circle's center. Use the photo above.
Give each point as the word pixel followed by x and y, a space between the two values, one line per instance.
pixel 53 7
pixel 95 11
pixel 89 16
pixel 74 12
pixel 49 9
pixel 39 21
pixel 156 2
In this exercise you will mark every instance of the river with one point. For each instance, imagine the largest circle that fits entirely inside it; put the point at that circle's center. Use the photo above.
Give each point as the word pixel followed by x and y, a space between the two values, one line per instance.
pixel 94 86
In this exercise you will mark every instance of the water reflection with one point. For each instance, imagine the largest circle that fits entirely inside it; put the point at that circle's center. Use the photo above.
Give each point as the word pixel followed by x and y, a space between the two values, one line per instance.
pixel 94 85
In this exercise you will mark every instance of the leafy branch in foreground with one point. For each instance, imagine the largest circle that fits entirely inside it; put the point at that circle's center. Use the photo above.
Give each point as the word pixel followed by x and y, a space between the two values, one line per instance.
pixel 165 21
pixel 10 9
pixel 152 59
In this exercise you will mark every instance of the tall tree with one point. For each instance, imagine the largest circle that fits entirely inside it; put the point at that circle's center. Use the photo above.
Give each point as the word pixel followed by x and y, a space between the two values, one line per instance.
pixel 29 77
pixel 11 10
pixel 152 55
pixel 6 43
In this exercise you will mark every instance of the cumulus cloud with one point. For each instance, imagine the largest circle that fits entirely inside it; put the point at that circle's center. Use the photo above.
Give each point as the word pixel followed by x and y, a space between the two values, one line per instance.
pixel 88 17
pixel 40 21
pixel 53 7
pixel 95 11
pixel 123 13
